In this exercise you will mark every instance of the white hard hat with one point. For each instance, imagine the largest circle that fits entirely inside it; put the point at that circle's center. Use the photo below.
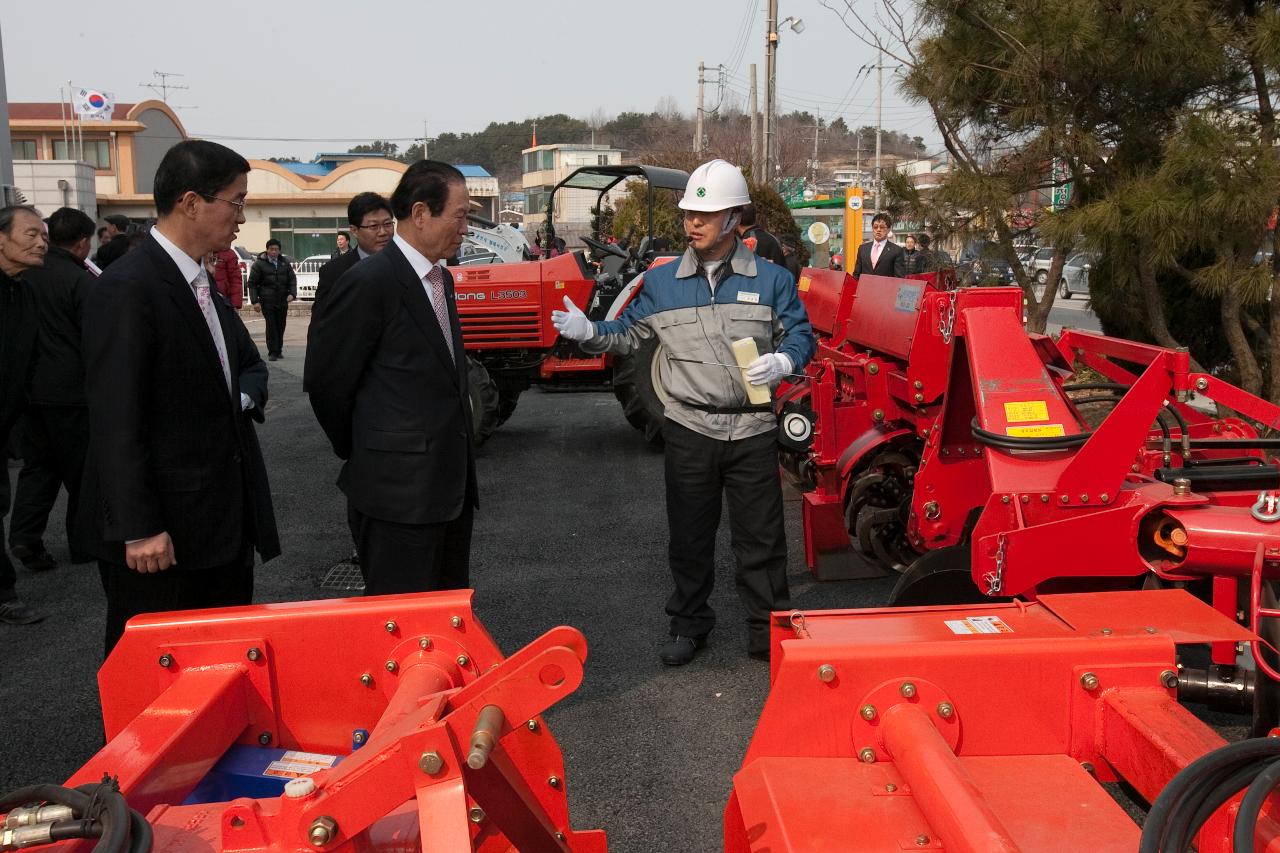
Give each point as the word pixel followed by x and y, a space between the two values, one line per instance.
pixel 714 186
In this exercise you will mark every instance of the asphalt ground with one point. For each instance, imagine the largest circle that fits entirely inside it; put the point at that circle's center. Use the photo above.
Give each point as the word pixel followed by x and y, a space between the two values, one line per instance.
pixel 571 530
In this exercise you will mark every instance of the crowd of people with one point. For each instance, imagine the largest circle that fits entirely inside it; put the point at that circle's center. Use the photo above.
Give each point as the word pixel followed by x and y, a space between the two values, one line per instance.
pixel 138 388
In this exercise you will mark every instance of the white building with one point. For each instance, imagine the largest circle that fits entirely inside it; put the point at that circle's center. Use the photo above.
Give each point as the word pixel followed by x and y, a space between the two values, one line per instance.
pixel 544 166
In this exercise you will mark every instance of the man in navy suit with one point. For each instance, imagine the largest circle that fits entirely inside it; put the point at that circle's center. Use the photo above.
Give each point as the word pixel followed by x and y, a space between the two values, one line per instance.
pixel 387 377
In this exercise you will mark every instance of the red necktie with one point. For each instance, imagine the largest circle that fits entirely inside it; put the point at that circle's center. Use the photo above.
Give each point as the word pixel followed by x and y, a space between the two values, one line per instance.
pixel 436 277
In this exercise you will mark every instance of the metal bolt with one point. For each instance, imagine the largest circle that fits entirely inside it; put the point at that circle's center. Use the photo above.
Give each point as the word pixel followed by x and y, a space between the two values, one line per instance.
pixel 919 397
pixel 868 712
pixel 532 725
pixel 1106 632
pixel 961 451
pixel 1004 499
pixel 945 710
pixel 922 840
pixel 1084 499
pixel 254 653
pixel 826 673
pixel 1044 499
pixel 1202 384
pixel 475 814
pixel 908 690
pixel 890 788
pixel 945 452
pixel 464 661
pixel 932 510
pixel 1182 486
pixel 1089 681
pixel 1104 497
pixel 392 666
pixel 424 643
pixel 322 831
pixel 265 738
pixel 554 781
pixel 1169 679
pixel 431 762
pixel 559 836
pixel 877 415
pixel 358 737
pixel 917 384
pixel 1149 629
pixel 867 755
pixel 1026 499
pixel 1064 498
pixel 390 626
pixel 366 680
pixel 873 368
pixel 166 660
pixel 456 621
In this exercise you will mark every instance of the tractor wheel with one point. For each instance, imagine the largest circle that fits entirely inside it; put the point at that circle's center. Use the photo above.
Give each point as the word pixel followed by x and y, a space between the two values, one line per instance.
pixel 880 505
pixel 638 389
pixel 484 401
pixel 942 576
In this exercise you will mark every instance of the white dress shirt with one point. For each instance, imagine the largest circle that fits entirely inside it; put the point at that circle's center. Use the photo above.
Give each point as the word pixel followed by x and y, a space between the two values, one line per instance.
pixel 421 266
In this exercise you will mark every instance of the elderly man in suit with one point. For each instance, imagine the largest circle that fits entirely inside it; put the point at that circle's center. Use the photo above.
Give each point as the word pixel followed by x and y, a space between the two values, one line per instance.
pixel 175 497
pixel 387 377
pixel 879 256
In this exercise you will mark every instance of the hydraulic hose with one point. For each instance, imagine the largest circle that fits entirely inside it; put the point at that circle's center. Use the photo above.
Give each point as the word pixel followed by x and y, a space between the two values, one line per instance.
pixel 98 810
pixel 1251 807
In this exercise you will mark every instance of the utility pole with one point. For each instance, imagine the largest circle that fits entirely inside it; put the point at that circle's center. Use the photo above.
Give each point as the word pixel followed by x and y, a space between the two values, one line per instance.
pixel 424 139
pixel 6 146
pixel 813 164
pixel 770 88
pixel 857 158
pixel 697 127
pixel 879 116
pixel 162 88
pixel 755 139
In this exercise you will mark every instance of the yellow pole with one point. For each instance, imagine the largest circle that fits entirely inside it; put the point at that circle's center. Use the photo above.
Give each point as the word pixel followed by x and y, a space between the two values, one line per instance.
pixel 852 225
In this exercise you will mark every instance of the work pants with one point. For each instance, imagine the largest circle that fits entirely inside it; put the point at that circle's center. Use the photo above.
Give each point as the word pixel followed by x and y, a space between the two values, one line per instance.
pixel 131 593
pixel 397 558
pixel 275 316
pixel 54 442
pixel 700 472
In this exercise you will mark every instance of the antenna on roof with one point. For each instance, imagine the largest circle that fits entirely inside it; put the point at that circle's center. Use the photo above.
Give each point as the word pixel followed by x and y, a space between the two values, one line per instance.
pixel 163 86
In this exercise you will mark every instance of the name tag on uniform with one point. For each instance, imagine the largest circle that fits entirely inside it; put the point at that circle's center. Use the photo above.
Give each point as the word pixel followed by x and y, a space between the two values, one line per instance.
pixel 747 296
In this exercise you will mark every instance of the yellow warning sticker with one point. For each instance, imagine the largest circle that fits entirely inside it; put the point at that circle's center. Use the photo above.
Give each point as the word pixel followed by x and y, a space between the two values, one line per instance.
pixel 1037 431
pixel 803 284
pixel 1031 410
pixel 559 285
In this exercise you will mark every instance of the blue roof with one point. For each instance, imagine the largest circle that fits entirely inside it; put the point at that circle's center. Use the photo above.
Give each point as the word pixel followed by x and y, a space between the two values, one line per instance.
pixel 315 169
pixel 474 172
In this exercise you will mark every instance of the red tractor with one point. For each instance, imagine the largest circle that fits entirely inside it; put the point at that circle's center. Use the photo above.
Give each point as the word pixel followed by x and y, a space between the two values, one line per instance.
pixel 505 311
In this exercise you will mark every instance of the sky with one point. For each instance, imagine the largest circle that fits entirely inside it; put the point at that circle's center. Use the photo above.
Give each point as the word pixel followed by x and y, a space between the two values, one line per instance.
pixel 292 78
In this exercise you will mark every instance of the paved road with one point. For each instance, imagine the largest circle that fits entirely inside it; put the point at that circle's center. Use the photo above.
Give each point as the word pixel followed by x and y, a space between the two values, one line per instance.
pixel 1074 312
pixel 571 531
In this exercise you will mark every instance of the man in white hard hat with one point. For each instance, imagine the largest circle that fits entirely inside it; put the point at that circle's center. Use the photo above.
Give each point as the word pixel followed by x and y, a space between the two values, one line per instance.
pixel 718 445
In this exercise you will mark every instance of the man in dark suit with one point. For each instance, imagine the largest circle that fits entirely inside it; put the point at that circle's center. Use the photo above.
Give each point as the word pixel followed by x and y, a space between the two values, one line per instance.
pixel 55 428
pixel 175 496
pixel 372 223
pixel 879 256
pixel 387 377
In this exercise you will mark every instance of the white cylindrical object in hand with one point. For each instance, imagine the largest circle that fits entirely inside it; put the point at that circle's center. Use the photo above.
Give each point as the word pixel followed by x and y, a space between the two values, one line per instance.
pixel 745 352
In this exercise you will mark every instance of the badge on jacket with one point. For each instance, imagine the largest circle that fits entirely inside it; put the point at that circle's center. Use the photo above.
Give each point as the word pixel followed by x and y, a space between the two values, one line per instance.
pixel 748 296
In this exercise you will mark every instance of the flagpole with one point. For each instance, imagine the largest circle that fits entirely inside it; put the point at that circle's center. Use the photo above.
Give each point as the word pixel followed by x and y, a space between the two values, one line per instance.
pixel 62 108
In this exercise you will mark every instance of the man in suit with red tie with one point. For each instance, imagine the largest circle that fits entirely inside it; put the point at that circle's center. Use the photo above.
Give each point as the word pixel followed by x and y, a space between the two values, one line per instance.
pixel 880 257
pixel 175 498
pixel 387 377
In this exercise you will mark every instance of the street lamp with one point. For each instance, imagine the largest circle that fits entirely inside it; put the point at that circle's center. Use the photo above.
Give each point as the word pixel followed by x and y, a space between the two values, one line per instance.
pixel 771 79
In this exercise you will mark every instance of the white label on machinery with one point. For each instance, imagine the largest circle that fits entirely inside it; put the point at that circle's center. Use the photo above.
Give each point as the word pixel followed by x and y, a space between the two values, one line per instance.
pixel 979 625
pixel 294 764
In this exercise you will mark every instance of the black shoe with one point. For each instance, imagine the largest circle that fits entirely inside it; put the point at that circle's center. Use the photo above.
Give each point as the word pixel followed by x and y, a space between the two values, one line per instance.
pixel 355 557
pixel 37 559
pixel 14 612
pixel 273 357
pixel 680 650
pixel 758 654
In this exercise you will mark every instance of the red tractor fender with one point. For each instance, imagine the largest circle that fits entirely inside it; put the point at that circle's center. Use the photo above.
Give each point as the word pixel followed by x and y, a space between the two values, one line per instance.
pixel 623 299
pixel 861 448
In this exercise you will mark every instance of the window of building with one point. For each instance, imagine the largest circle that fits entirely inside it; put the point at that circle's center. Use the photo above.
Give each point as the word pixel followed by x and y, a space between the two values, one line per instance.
pixel 97 152
pixel 302 237
pixel 25 149
pixel 602 159
pixel 548 159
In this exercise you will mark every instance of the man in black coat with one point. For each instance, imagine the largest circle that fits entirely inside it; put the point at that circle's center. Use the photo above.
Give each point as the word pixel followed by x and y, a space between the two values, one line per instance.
pixel 23 245
pixel 55 428
pixel 879 256
pixel 758 240
pixel 272 286
pixel 116 244
pixel 387 377
pixel 175 497
pixel 372 223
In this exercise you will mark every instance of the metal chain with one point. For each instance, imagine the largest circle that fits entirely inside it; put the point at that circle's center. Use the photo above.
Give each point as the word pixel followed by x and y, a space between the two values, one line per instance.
pixel 947 321
pixel 995 580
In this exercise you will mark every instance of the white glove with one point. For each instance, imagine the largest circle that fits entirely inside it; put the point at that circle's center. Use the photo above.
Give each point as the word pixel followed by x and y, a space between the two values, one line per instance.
pixel 572 323
pixel 769 368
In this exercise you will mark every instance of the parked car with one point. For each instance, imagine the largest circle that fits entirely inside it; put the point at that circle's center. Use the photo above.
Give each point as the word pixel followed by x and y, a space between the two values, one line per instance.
pixel 1025 255
pixel 982 264
pixel 1075 274
pixel 246 261
pixel 1040 263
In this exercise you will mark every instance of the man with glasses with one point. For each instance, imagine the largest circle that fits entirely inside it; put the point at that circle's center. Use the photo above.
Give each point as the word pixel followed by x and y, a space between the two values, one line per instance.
pixel 272 286
pixel 175 498
pixel 372 223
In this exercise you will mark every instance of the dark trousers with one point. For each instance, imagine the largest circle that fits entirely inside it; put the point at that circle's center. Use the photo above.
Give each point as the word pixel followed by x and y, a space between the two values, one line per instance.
pixel 131 593
pixel 700 471
pixel 397 558
pixel 275 316
pixel 8 577
pixel 54 441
